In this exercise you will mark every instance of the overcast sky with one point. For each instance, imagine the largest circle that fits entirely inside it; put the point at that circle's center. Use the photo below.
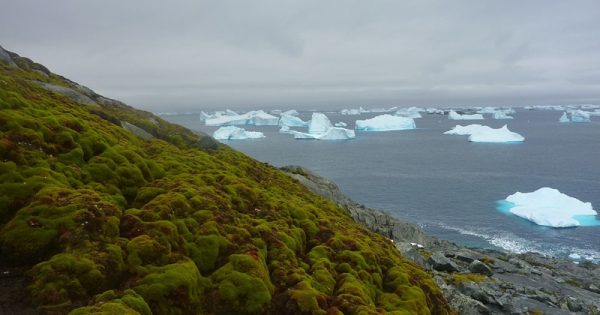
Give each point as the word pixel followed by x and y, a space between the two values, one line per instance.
pixel 189 55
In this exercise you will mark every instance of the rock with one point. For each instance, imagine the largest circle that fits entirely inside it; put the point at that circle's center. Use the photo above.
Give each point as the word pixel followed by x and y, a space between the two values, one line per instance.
pixel 75 95
pixel 466 256
pixel 136 130
pixel 5 58
pixel 475 291
pixel 440 262
pixel 593 288
pixel 478 267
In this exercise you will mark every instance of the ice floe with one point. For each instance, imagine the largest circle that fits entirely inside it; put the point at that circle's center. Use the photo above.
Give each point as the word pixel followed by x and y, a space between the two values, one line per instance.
pixel 340 124
pixel 255 117
pixel 385 122
pixel 501 115
pixel 236 133
pixel 549 207
pixel 456 116
pixel 333 133
pixel 579 116
pixel 479 133
pixel 411 112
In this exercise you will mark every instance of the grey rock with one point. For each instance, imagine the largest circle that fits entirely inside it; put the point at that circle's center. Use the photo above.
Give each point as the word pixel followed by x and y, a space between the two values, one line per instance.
pixel 75 95
pixel 479 267
pixel 5 58
pixel 137 130
pixel 440 262
pixel 593 288
pixel 467 256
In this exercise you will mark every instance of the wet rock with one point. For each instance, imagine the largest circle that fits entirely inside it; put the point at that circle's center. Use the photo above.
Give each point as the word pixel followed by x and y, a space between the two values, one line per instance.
pixel 440 262
pixel 478 267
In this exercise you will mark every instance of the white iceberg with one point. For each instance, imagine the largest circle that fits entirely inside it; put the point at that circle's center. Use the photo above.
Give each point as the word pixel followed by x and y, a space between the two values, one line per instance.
pixel 487 110
pixel 479 133
pixel 564 118
pixel 436 111
pixel 385 123
pixel 256 118
pixel 319 123
pixel 291 112
pixel 340 124
pixel 411 112
pixel 501 115
pixel 354 111
pixel 291 121
pixel 456 116
pixel 549 207
pixel 236 133
pixel 333 133
pixel 580 116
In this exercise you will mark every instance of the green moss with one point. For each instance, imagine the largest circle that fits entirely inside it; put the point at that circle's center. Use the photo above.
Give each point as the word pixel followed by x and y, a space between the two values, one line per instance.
pixel 458 278
pixel 111 302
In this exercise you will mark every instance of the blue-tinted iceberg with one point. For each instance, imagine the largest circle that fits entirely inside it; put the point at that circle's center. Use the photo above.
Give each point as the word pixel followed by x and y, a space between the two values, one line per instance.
pixel 479 133
pixel 256 118
pixel 236 133
pixel 411 112
pixel 291 121
pixel 456 116
pixel 385 123
pixel 549 207
pixel 353 111
pixel 580 116
pixel 501 115
pixel 333 133
pixel 319 123
pixel 340 124
pixel 564 118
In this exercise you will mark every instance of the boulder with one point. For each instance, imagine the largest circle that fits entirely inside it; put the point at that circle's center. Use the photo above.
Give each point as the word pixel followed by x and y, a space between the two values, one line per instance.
pixel 478 267
pixel 440 262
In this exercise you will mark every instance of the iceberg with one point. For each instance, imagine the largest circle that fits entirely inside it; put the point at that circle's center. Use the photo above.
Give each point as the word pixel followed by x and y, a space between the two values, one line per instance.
pixel 333 133
pixel 291 112
pixel 354 111
pixel 436 111
pixel 564 118
pixel 340 124
pixel 256 118
pixel 411 112
pixel 291 121
pixel 479 133
pixel 549 207
pixel 456 116
pixel 385 123
pixel 501 115
pixel 319 123
pixel 236 133
pixel 487 110
pixel 580 116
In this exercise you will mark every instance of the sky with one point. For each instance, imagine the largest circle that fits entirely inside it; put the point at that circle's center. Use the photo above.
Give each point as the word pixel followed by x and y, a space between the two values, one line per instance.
pixel 192 55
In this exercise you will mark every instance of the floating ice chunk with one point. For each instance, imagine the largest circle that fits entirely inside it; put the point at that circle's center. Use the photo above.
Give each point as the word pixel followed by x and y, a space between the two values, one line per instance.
pixel 236 133
pixel 319 123
pixel 501 115
pixel 340 124
pixel 385 123
pixel 333 133
pixel 479 133
pixel 411 112
pixel 549 207
pixel 456 116
pixel 354 111
pixel 291 112
pixel 436 111
pixel 575 256
pixel 291 121
pixel 580 116
pixel 229 112
pixel 257 118
pixel 564 118
pixel 487 110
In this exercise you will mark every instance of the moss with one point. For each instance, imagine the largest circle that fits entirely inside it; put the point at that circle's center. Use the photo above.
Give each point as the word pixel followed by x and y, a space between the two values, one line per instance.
pixel 458 278
pixel 176 224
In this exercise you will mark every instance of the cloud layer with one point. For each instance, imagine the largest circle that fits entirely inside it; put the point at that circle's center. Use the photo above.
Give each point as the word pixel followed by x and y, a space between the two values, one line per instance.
pixel 187 55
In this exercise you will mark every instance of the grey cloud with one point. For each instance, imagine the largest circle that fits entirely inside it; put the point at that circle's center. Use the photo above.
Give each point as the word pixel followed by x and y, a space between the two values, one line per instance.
pixel 190 55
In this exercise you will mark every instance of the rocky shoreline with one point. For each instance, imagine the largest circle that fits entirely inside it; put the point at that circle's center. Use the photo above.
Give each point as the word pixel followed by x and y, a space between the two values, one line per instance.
pixel 478 281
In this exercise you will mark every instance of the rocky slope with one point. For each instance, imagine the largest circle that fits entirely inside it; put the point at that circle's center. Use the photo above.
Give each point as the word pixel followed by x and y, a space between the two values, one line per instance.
pixel 105 209
pixel 477 281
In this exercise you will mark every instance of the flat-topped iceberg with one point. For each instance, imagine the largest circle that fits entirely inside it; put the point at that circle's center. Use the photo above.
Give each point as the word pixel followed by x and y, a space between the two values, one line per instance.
pixel 456 116
pixel 236 133
pixel 333 133
pixel 479 133
pixel 549 207
pixel 501 115
pixel 411 112
pixel 255 117
pixel 385 123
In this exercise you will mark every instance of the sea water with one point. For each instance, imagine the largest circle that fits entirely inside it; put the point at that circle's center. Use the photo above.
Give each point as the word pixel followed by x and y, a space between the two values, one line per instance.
pixel 448 185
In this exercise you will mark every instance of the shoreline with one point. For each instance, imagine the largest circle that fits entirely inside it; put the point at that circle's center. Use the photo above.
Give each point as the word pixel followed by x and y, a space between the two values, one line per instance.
pixel 477 280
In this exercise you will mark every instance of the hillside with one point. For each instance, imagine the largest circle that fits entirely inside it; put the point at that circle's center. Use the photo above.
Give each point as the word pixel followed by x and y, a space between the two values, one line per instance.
pixel 113 210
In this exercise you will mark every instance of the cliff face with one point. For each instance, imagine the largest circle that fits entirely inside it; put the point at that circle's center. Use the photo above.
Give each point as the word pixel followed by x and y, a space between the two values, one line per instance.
pixel 104 208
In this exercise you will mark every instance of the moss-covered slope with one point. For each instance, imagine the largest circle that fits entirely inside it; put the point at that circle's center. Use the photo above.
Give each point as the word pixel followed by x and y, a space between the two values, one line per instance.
pixel 154 219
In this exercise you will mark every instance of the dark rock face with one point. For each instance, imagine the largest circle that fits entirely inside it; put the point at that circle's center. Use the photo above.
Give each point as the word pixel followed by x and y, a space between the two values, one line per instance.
pixel 5 58
pixel 486 281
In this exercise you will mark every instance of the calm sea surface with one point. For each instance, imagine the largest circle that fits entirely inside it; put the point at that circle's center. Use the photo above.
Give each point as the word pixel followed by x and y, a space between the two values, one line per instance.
pixel 448 185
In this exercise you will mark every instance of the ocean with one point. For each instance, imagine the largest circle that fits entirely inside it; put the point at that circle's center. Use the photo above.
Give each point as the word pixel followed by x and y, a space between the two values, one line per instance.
pixel 450 186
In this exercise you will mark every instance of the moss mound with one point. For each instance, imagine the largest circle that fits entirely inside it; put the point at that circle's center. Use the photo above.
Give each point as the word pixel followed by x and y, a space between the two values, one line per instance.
pixel 112 223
